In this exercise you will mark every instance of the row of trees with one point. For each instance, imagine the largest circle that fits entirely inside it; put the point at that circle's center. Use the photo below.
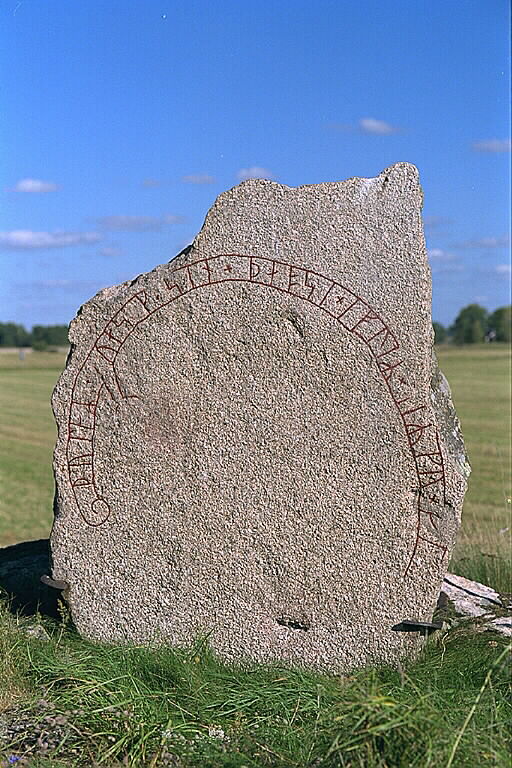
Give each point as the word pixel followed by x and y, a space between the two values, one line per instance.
pixel 40 337
pixel 472 326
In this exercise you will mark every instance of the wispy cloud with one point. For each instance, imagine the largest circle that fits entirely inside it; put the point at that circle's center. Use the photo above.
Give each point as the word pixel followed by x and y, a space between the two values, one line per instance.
pixel 198 178
pixel 376 127
pixel 123 223
pixel 435 224
pixel 110 251
pixel 368 125
pixel 443 261
pixel 254 172
pixel 485 242
pixel 26 240
pixel 61 283
pixel 151 183
pixel 503 269
pixel 438 269
pixel 35 185
pixel 58 292
pixel 492 145
pixel 438 254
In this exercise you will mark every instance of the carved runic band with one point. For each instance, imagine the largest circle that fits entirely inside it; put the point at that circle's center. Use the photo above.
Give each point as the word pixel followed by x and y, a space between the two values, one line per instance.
pixel 98 376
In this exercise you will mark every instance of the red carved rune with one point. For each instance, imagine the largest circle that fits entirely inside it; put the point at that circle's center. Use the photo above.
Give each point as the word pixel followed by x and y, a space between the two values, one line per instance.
pixel 98 376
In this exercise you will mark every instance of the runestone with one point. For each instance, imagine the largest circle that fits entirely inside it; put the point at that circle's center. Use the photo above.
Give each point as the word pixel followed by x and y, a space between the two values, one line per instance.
pixel 255 442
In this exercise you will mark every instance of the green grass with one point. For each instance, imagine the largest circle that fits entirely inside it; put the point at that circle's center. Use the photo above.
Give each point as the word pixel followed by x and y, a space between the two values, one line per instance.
pixel 27 436
pixel 150 707
pixel 158 707
pixel 480 380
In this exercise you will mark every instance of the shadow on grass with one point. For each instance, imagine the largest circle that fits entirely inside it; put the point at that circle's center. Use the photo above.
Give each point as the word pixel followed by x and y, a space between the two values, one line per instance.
pixel 21 568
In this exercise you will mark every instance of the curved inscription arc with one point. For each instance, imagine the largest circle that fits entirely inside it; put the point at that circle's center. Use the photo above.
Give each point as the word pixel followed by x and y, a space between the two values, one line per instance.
pixel 97 377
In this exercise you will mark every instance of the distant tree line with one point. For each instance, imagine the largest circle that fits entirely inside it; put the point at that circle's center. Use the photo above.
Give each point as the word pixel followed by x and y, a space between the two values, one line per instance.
pixel 472 325
pixel 39 338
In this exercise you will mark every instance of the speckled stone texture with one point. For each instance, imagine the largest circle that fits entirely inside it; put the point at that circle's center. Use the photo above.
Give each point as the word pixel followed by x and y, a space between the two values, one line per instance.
pixel 255 441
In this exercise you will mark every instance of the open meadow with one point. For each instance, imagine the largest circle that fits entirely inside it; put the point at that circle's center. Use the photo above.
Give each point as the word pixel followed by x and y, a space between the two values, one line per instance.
pixel 478 375
pixel 67 702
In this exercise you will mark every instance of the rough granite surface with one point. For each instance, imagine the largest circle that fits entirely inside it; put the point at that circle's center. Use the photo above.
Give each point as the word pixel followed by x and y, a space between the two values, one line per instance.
pixel 254 440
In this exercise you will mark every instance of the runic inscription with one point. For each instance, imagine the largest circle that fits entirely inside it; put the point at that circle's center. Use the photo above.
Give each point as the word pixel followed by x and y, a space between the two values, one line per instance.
pixel 98 377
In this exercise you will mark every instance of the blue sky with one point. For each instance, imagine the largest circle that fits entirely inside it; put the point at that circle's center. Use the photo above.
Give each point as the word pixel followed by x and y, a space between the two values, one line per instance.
pixel 123 121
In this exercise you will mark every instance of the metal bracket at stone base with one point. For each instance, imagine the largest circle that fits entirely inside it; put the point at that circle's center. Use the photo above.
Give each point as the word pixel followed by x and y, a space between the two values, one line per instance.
pixel 423 627
pixel 21 566
pixel 55 583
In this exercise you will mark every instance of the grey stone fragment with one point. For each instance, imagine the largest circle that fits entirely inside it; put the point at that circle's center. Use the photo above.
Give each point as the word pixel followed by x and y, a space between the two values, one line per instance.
pixel 503 625
pixel 470 598
pixel 254 440
pixel 473 600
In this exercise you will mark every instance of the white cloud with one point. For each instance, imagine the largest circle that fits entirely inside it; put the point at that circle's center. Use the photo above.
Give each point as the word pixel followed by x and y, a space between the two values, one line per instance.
pixel 437 254
pixel 25 239
pixel 198 178
pixel 485 242
pixel 377 127
pixel 130 223
pixel 492 145
pixel 365 125
pixel 123 223
pixel 254 172
pixel 503 269
pixel 443 261
pixel 35 185
pixel 151 183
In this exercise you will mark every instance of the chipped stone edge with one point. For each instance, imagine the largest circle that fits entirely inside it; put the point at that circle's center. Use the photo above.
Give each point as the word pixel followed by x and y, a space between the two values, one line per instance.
pixel 447 419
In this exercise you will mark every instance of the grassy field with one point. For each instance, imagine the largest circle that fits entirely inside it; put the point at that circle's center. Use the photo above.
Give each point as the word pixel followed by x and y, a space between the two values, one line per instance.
pixel 66 702
pixel 480 381
pixel 27 436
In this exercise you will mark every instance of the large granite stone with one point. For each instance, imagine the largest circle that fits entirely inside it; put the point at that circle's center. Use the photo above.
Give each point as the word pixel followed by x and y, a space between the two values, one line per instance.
pixel 255 441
